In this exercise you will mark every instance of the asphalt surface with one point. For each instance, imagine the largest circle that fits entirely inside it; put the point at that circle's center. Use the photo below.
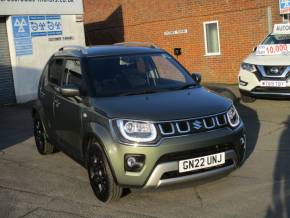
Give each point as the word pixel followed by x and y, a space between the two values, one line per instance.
pixel 32 185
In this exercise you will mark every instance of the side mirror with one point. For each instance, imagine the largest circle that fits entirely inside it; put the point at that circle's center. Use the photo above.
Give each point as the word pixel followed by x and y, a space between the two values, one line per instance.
pixel 196 77
pixel 254 49
pixel 70 91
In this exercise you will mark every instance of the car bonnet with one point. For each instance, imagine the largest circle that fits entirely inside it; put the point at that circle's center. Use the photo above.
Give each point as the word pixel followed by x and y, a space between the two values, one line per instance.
pixel 268 60
pixel 162 106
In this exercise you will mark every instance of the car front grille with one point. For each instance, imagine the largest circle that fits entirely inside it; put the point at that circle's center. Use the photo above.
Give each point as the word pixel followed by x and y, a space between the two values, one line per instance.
pixel 190 126
pixel 272 72
pixel 176 174
pixel 198 152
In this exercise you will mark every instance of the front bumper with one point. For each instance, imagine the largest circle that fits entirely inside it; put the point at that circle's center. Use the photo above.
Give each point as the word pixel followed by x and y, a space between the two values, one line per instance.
pixel 161 162
pixel 249 85
pixel 267 92
pixel 157 178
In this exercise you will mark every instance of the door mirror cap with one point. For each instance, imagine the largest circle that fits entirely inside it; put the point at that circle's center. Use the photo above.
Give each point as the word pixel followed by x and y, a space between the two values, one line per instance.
pixel 254 49
pixel 70 91
pixel 196 77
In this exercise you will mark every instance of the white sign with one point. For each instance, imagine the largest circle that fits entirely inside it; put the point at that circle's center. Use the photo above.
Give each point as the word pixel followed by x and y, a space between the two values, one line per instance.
pixel 281 28
pixel 27 7
pixel 175 32
pixel 278 49
pixel 284 6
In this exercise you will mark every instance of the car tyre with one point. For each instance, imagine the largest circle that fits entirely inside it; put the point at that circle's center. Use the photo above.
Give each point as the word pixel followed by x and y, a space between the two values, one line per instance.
pixel 247 99
pixel 42 144
pixel 100 175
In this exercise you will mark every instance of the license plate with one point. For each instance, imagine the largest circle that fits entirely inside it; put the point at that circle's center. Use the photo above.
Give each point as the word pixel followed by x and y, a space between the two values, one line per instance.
pixel 273 83
pixel 202 162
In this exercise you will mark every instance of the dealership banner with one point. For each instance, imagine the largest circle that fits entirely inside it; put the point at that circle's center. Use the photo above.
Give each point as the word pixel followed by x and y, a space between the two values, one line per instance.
pixel 26 7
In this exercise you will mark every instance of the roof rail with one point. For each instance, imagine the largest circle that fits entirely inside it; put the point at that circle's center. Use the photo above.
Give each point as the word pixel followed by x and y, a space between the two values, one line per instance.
pixel 74 47
pixel 141 44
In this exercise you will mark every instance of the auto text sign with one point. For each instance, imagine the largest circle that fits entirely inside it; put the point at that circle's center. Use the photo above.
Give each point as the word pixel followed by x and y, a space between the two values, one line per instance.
pixel 284 6
pixel 45 25
pixel 278 49
pixel 281 28
pixel 26 7
pixel 22 37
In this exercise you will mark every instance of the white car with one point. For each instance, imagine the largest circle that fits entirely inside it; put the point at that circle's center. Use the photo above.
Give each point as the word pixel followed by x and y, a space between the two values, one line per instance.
pixel 266 71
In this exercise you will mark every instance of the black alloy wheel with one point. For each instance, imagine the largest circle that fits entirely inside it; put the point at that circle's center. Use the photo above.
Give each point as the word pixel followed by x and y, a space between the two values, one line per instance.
pixel 42 145
pixel 101 178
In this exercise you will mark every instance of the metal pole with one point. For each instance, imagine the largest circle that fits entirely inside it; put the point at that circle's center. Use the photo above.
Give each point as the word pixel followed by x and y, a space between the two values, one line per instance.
pixel 270 24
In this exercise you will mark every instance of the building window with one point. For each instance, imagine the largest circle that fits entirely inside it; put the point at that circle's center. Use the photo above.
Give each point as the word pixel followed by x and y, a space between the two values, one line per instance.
pixel 211 38
pixel 286 18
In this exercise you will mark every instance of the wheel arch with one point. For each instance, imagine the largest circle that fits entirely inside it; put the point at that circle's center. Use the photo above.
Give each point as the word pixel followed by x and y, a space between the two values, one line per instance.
pixel 89 138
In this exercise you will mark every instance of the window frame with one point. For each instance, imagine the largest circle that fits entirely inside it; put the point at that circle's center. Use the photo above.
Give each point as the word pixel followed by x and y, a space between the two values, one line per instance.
pixel 65 61
pixel 51 65
pixel 205 38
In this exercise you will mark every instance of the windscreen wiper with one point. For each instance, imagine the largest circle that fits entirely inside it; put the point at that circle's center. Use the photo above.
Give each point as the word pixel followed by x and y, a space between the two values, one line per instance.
pixel 190 85
pixel 140 92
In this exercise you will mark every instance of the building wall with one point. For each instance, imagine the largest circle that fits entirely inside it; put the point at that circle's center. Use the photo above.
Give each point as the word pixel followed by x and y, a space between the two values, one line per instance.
pixel 242 24
pixel 27 69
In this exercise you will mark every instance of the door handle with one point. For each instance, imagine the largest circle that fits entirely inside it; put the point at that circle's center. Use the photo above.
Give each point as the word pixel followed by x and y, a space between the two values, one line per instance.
pixel 56 103
pixel 42 93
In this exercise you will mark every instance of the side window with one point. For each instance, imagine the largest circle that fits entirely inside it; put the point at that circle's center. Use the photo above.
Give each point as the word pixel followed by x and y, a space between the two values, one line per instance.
pixel 55 71
pixel 72 74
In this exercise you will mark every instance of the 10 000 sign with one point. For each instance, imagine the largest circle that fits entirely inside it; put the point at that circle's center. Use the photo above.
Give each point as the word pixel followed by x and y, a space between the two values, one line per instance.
pixel 279 49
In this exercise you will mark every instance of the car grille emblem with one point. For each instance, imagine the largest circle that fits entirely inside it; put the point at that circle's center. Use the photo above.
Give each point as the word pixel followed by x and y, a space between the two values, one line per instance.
pixel 274 70
pixel 197 125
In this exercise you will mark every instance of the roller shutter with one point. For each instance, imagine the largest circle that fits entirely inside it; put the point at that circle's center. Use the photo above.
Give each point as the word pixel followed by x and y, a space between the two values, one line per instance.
pixel 7 93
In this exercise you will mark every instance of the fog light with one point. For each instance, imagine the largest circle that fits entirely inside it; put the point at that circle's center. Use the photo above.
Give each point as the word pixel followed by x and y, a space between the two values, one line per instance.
pixel 131 162
pixel 242 83
pixel 243 142
pixel 134 162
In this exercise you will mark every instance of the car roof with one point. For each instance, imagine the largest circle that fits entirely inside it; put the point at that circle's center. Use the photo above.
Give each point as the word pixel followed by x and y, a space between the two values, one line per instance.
pixel 106 50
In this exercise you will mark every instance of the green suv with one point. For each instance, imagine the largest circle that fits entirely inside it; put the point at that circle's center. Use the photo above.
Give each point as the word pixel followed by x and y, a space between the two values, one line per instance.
pixel 135 118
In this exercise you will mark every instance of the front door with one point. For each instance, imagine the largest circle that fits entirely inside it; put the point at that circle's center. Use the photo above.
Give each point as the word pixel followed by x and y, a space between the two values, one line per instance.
pixel 50 83
pixel 68 110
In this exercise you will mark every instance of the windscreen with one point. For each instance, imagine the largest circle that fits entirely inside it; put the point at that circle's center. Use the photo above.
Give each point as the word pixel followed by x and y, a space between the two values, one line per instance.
pixel 277 39
pixel 118 75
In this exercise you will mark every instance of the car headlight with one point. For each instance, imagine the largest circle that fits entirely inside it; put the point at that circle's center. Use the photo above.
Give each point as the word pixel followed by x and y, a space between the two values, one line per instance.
pixel 137 131
pixel 248 67
pixel 233 117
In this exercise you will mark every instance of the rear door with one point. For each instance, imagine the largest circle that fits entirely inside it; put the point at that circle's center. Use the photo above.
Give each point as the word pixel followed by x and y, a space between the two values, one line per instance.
pixel 68 112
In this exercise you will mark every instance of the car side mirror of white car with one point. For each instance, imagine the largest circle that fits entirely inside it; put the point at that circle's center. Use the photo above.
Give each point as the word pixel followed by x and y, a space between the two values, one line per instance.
pixel 254 49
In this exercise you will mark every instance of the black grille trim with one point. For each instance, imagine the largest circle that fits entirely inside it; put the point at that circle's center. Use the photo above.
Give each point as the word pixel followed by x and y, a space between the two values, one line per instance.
pixel 191 126
pixel 269 73
pixel 270 76
pixel 272 89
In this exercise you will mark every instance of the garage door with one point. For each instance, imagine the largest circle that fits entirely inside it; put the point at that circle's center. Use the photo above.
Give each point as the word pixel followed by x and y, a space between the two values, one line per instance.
pixel 7 94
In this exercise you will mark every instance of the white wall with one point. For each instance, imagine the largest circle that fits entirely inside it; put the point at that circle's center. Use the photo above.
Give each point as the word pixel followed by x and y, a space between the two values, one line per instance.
pixel 27 69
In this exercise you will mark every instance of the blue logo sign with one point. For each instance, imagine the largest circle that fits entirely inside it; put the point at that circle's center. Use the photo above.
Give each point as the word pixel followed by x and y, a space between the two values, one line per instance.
pixel 22 38
pixel 284 6
pixel 20 26
pixel 45 25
